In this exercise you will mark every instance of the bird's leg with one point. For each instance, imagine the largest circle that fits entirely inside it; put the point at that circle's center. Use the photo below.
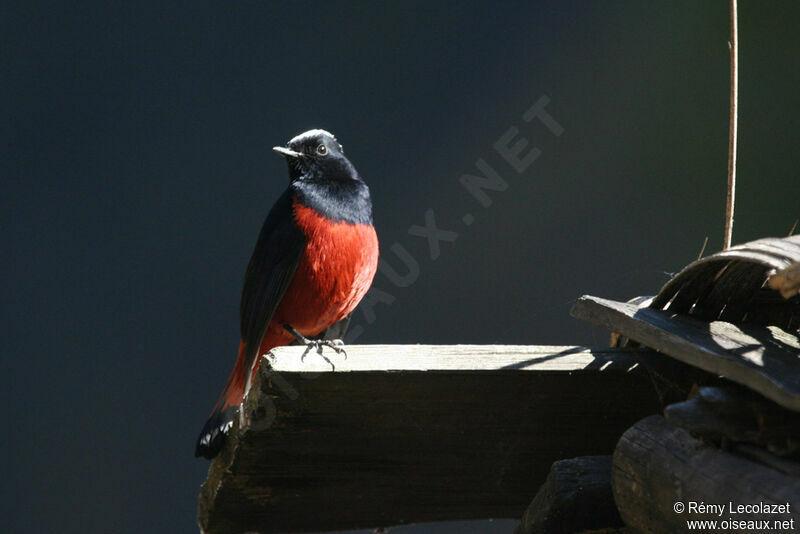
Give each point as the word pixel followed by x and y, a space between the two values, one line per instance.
pixel 335 344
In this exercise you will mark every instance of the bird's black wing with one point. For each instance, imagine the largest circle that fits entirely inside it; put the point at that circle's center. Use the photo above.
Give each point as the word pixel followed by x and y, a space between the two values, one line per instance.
pixel 272 266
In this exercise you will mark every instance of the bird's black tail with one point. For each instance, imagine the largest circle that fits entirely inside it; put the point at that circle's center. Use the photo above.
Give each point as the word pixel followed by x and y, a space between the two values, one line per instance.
pixel 219 423
pixel 212 437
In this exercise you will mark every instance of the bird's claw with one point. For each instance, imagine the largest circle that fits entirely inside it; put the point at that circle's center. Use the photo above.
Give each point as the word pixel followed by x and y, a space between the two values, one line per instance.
pixel 336 344
pixel 318 344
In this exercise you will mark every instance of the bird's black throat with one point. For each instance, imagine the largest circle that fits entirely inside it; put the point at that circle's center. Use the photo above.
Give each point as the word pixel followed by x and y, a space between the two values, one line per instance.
pixel 344 200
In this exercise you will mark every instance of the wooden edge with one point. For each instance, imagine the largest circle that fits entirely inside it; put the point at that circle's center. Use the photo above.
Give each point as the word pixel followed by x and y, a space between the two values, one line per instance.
pixel 693 349
pixel 284 383
pixel 466 358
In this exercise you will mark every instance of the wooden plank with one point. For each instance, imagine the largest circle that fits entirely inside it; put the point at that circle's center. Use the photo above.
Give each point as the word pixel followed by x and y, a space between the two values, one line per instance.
pixel 448 358
pixel 400 434
pixel 765 359
pixel 656 465
pixel 576 497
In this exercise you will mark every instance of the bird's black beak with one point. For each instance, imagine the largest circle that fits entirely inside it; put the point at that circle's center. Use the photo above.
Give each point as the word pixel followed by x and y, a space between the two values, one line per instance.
pixel 286 152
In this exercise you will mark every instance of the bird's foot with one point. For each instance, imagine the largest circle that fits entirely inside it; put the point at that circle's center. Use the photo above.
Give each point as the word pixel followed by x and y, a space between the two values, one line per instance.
pixel 335 344
pixel 317 344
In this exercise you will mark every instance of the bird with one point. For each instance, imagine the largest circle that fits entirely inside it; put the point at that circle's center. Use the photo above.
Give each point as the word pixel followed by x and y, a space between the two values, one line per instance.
pixel 313 262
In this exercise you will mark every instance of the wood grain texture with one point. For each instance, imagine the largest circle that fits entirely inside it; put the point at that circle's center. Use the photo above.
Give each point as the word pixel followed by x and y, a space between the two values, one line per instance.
pixel 447 358
pixel 656 465
pixel 765 359
pixel 576 497
pixel 732 286
pixel 400 434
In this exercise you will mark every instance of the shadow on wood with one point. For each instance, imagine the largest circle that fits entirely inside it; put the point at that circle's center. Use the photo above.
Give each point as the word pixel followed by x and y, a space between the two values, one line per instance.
pixel 763 358
pixel 400 434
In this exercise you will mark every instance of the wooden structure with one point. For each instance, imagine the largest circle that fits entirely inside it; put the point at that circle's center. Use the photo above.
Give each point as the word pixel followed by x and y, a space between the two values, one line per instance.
pixel 700 403
pixel 658 465
pixel 400 434
pixel 736 439
pixel 575 497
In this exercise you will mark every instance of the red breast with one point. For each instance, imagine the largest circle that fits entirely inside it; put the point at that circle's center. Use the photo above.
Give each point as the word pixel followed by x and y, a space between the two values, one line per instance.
pixel 335 272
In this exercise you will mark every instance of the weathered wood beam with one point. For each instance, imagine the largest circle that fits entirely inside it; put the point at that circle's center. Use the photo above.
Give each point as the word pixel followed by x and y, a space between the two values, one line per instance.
pixel 399 434
pixel 765 359
pixel 576 497
pixel 657 465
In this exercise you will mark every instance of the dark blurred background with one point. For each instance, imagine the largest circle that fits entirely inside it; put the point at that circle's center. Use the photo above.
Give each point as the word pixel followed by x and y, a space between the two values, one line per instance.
pixel 137 170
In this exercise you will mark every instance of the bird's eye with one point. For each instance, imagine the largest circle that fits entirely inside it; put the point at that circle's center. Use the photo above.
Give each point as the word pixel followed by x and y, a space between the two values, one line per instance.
pixel 322 150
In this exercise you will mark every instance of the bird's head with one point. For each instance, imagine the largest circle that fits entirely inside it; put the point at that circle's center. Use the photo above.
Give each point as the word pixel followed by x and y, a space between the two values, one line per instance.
pixel 316 155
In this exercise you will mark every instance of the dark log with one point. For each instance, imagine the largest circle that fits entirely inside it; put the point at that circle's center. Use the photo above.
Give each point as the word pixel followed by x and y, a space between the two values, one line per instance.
pixel 657 465
pixel 575 497
pixel 732 414
pixel 400 434
pixel 765 359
